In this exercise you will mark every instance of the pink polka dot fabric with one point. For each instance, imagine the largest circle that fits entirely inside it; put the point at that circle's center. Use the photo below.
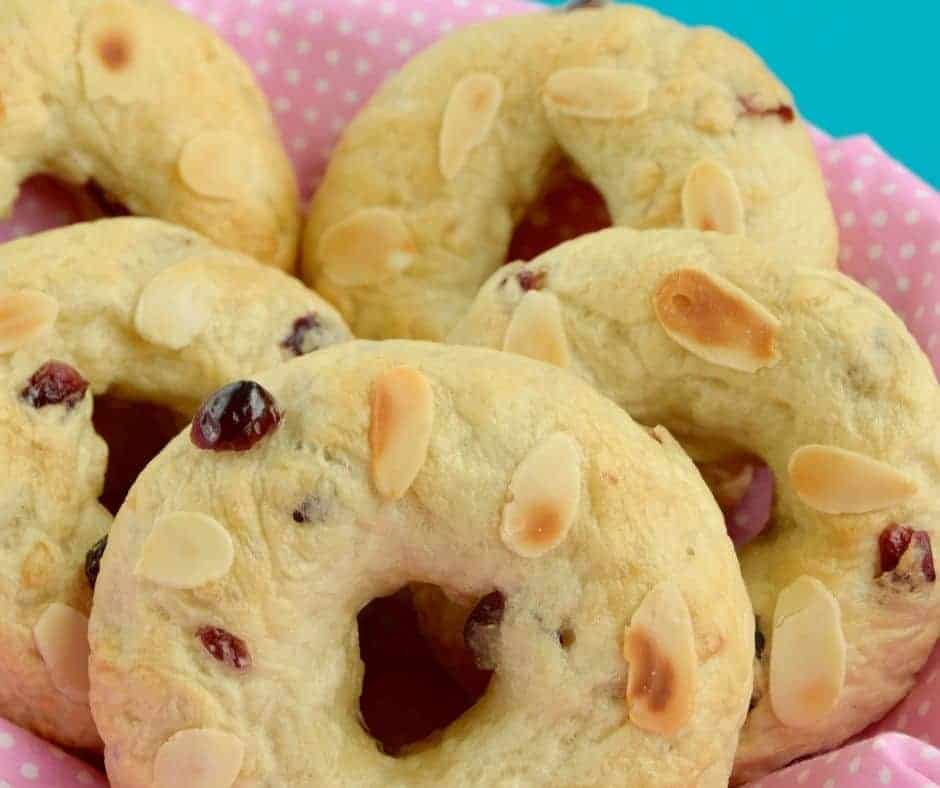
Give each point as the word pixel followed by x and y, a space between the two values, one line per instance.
pixel 319 60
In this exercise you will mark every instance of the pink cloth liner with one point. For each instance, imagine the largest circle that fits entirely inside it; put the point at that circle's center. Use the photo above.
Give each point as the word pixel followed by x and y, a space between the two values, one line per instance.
pixel 319 60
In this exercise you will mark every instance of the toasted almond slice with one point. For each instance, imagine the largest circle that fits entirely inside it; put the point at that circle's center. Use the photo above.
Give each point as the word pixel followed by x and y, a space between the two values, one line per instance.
pixel 61 637
pixel 536 329
pixel 115 54
pixel 715 320
pixel 400 430
pixel 185 550
pixel 217 164
pixel 175 306
pixel 199 758
pixel 807 657
pixel 659 646
pixel 597 93
pixel 543 499
pixel 711 200
pixel 838 481
pixel 468 119
pixel 24 316
pixel 369 247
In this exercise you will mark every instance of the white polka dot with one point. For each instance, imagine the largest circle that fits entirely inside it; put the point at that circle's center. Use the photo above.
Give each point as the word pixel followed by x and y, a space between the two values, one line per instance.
pixel 855 764
pixel 285 7
pixel 903 718
pixel 292 76
pixel 315 16
pixel 918 314
pixel 214 18
pixel 404 46
pixel 363 66
pixel 322 85
pixel 845 254
pixel 935 248
pixel 461 3
pixel 304 47
pixel 446 26
pixel 254 3
pixel 6 741
pixel 922 194
pixel 848 219
pixel 374 37
pixel 912 216
pixel 299 143
pixel 243 29
pixel 875 251
pixel 923 709
pixel 867 160
pixel 857 186
pixel 873 284
pixel 936 311
pixel 387 7
pixel 888 189
pixel 310 116
pixel 262 66
pixel 282 104
pixel 56 753
pixel 834 155
pixel 351 97
pixel 907 251
pixel 332 56
pixel 345 27
pixel 926 282
pixel 903 284
pixel 338 123
pixel 830 783
pixel 832 757
pixel 879 218
pixel 803 776
pixel 417 18
pixel 884 775
pixel 29 771
pixel 929 753
pixel 878 743
pixel 931 341
pixel 273 37
pixel 491 9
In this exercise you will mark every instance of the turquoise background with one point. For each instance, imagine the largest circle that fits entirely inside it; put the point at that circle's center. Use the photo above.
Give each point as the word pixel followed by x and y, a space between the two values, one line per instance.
pixel 854 67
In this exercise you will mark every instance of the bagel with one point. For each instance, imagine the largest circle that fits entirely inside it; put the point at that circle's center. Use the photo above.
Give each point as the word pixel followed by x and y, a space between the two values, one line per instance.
pixel 809 371
pixel 150 106
pixel 414 462
pixel 132 308
pixel 674 126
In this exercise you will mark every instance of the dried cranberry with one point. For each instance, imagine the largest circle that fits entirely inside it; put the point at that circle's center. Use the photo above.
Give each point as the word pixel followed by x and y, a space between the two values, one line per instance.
pixel 783 111
pixel 105 203
pixel 895 540
pixel 235 418
pixel 759 639
pixel 55 383
pixel 225 647
pixel 531 280
pixel 306 335
pixel 581 5
pixel 481 629
pixel 93 560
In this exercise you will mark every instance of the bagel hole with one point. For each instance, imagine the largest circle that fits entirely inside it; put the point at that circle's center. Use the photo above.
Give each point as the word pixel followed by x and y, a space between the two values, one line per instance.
pixel 46 202
pixel 135 432
pixel 568 206
pixel 420 675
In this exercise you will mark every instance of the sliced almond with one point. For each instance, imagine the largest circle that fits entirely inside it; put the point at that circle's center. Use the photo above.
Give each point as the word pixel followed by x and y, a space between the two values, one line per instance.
pixel 536 329
pixel 175 306
pixel 711 200
pixel 217 164
pixel 543 498
pixel 369 247
pixel 400 429
pixel 807 657
pixel 659 646
pixel 468 119
pixel 116 55
pixel 61 637
pixel 185 550
pixel 838 481
pixel 24 316
pixel 715 320
pixel 597 93
pixel 199 758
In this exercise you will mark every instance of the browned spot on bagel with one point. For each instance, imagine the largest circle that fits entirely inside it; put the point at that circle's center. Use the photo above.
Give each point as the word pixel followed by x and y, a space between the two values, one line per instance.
pixel 543 525
pixel 652 677
pixel 713 316
pixel 115 49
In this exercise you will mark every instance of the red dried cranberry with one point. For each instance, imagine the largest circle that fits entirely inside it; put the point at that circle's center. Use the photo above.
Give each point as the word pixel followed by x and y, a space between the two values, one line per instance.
pixel 895 540
pixel 305 335
pixel 93 560
pixel 55 383
pixel 783 111
pixel 225 647
pixel 235 418
pixel 105 203
pixel 531 280
pixel 481 629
